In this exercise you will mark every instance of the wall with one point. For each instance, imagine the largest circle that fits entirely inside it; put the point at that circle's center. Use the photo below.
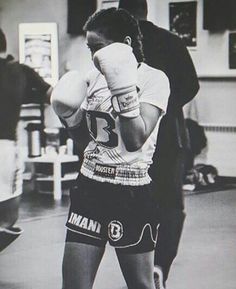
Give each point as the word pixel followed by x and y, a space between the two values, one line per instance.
pixel 73 53
pixel 214 106
pixel 211 55
pixel 216 98
pixel 72 50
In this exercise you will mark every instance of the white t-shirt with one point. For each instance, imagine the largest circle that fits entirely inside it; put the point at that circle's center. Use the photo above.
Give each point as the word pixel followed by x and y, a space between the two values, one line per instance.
pixel 105 157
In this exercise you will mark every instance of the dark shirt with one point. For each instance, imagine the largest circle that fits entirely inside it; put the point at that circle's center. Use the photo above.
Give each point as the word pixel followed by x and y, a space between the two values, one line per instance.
pixel 17 83
pixel 165 51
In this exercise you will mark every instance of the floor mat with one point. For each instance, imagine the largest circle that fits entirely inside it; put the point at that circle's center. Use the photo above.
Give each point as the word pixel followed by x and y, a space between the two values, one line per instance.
pixel 210 189
pixel 35 205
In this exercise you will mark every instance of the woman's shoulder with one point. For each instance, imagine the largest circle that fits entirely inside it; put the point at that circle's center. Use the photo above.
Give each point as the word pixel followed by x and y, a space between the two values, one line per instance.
pixel 150 74
pixel 154 86
pixel 150 71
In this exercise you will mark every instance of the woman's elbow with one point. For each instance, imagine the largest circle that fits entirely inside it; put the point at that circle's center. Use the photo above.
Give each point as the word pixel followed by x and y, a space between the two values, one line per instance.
pixel 133 146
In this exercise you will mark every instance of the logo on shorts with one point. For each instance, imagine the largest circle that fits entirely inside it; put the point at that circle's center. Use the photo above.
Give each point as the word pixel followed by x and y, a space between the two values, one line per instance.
pixel 84 223
pixel 105 171
pixel 115 230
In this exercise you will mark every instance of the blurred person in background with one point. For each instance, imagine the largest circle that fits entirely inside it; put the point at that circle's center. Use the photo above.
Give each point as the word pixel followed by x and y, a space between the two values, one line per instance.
pixel 167 52
pixel 17 82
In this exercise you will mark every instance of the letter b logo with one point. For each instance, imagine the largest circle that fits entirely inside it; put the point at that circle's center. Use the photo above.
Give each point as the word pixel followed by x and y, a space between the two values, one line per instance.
pixel 115 230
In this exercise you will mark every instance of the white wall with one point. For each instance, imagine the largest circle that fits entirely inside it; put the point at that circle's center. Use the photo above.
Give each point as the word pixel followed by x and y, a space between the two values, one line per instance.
pixel 214 105
pixel 216 102
pixel 217 97
pixel 211 55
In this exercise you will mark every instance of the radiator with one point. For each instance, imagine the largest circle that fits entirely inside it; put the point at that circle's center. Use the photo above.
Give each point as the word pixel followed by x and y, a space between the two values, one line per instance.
pixel 221 149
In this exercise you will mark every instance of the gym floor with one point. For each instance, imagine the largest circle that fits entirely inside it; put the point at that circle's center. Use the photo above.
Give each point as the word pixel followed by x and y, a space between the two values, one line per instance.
pixel 206 259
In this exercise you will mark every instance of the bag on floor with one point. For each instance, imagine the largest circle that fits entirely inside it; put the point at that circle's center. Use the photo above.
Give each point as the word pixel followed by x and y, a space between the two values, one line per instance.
pixel 201 176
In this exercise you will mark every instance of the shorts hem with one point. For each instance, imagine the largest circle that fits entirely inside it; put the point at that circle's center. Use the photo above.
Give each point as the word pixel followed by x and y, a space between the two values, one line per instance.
pixel 84 234
pixel 134 250
pixel 140 239
pixel 87 243
pixel 10 197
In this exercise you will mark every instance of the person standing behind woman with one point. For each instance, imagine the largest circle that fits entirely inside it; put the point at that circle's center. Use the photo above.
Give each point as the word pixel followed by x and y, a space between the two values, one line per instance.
pixel 16 83
pixel 166 51
pixel 123 100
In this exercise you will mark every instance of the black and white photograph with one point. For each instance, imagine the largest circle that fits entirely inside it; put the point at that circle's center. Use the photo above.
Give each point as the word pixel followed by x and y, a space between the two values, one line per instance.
pixel 117 144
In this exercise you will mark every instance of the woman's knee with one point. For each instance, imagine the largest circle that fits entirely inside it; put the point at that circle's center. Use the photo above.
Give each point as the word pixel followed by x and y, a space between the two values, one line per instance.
pixel 140 283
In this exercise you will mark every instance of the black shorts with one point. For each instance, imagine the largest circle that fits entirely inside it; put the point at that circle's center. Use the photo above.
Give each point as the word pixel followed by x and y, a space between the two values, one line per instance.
pixel 126 216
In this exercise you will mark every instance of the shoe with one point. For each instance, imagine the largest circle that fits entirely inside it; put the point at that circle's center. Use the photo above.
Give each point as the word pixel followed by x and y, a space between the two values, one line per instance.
pixel 158 278
pixel 8 235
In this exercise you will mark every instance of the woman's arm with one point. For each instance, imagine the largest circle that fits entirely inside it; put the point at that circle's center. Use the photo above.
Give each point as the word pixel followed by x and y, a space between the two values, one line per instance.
pixel 135 131
pixel 80 134
pixel 68 101
pixel 138 108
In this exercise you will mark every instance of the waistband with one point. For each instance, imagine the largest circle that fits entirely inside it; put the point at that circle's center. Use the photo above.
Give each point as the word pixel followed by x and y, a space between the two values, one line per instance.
pixel 116 174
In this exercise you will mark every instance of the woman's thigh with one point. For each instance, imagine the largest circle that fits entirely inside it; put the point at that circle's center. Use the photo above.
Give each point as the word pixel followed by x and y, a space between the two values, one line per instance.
pixel 137 269
pixel 80 265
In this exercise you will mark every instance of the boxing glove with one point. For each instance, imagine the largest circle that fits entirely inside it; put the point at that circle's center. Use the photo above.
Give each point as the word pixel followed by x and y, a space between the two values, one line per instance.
pixel 119 66
pixel 67 97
